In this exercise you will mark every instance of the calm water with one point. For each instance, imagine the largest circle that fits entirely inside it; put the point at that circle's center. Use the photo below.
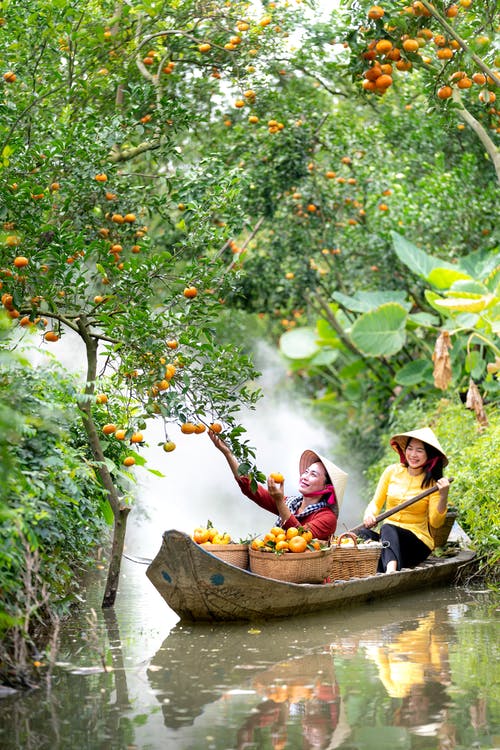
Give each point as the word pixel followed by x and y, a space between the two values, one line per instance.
pixel 416 672
pixel 419 672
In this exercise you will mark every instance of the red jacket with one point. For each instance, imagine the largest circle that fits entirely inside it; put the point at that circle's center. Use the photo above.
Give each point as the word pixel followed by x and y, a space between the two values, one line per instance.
pixel 321 523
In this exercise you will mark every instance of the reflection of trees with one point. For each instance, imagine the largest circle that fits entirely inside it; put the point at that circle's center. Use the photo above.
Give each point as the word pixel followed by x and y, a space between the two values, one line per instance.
pixel 82 708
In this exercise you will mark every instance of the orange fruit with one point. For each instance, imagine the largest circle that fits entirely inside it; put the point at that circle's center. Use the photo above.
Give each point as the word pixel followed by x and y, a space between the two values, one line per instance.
pixel 479 78
pixel 279 478
pixel 21 261
pixel 204 47
pixel 276 530
pixel 291 532
pixel 297 544
pixel 169 446
pixel 101 398
pixel 444 92
pixel 120 434
pixel 375 12
pixel 101 177
pixel 129 218
pixel 51 336
pixel 307 535
pixel 410 45
pixel 282 545
pixel 190 292
pixel 383 46
pixel 137 437
pixel 109 429
pixel 172 344
pixel 216 427
pixel 199 428
pixel 129 461
pixel 187 428
pixel 201 535
pixel 383 82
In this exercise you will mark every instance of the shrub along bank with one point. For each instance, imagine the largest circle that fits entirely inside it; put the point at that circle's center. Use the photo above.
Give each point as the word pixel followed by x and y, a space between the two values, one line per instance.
pixel 51 505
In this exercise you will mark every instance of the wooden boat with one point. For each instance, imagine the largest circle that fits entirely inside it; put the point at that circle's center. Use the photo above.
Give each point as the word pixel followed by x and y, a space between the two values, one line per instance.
pixel 201 587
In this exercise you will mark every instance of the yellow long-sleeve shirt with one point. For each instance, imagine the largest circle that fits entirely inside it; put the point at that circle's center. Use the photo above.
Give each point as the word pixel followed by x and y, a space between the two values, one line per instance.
pixel 395 486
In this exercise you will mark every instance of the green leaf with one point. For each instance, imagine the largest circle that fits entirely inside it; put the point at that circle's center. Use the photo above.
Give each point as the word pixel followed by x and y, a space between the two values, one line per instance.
pixel 423 319
pixel 417 260
pixel 472 304
pixel 468 285
pixel 301 343
pixel 443 278
pixel 366 301
pixel 415 373
pixel 381 332
pixel 106 511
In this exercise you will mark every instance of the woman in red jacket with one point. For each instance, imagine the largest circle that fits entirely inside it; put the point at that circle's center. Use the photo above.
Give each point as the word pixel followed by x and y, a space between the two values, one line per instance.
pixel 321 485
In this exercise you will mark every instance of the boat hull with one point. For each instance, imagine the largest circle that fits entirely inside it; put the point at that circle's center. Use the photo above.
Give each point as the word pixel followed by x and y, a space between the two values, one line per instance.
pixel 201 587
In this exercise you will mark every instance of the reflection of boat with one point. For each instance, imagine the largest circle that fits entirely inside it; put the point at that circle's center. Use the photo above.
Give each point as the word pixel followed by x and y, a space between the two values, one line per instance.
pixel 199 586
pixel 197 665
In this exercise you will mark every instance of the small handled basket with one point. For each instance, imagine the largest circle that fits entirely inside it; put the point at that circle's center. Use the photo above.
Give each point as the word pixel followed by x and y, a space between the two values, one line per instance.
pixel 356 561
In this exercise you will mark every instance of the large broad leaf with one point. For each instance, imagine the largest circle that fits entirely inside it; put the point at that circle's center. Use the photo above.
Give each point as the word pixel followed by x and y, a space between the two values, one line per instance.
pixel 300 343
pixel 469 286
pixel 415 320
pixel 468 304
pixel 366 301
pixel 479 264
pixel 324 357
pixel 443 278
pixel 417 260
pixel 415 373
pixel 380 332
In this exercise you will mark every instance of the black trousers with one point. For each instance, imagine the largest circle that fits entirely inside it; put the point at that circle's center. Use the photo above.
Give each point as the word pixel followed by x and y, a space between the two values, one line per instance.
pixel 401 545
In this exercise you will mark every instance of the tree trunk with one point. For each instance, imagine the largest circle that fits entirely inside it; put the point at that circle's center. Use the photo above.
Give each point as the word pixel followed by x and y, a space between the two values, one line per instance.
pixel 120 512
pixel 120 528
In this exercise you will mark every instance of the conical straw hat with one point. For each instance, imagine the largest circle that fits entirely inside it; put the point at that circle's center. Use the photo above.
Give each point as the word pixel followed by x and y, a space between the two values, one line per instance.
pixel 425 434
pixel 338 477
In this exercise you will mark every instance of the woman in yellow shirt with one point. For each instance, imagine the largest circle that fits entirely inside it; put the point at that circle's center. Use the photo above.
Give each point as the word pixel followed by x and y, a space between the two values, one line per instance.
pixel 406 534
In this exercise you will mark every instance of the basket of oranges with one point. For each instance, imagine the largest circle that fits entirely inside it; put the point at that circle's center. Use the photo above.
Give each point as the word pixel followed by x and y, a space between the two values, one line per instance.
pixel 351 557
pixel 292 555
pixel 221 545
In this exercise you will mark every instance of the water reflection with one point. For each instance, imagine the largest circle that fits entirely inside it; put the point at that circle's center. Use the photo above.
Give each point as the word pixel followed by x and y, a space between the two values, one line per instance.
pixel 315 682
pixel 411 673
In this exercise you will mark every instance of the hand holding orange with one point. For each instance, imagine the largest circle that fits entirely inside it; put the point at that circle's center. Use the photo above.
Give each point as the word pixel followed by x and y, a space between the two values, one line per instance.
pixel 277 477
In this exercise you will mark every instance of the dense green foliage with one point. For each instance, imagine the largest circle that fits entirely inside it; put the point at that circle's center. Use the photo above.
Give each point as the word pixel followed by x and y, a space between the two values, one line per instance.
pixel 51 502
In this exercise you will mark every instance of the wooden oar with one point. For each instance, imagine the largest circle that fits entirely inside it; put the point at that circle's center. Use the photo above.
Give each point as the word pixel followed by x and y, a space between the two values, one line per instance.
pixel 399 507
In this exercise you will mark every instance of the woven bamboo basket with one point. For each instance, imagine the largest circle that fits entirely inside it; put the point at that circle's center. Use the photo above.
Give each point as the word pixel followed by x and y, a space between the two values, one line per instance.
pixel 235 554
pixel 356 561
pixel 441 534
pixel 294 567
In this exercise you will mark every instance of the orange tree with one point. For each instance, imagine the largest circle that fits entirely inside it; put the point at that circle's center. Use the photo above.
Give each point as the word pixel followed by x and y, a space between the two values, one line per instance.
pixel 334 171
pixel 115 216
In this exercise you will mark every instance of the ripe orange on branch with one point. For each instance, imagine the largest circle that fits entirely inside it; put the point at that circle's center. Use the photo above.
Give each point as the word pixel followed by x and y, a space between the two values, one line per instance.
pixel 21 261
pixel 190 292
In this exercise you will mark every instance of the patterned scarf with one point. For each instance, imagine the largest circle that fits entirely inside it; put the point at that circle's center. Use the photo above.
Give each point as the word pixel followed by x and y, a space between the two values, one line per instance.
pixel 294 503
